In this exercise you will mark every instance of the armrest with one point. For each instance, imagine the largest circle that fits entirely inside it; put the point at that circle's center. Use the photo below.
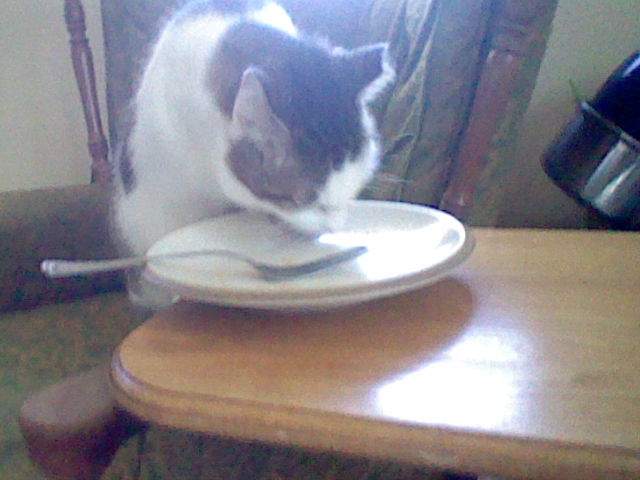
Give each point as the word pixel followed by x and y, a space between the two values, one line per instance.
pixel 70 222
pixel 74 428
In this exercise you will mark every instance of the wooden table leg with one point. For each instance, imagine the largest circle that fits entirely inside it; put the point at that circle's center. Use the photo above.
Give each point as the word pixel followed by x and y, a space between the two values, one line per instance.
pixel 73 429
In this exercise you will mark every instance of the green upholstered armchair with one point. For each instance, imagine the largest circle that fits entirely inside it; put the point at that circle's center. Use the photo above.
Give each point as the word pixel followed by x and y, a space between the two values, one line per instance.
pixel 465 74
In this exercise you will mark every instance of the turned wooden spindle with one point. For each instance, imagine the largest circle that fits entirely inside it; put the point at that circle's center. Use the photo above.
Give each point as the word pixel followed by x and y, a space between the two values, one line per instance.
pixel 516 29
pixel 85 77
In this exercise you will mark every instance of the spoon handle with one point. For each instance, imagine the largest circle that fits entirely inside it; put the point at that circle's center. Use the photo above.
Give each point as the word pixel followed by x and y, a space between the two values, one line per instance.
pixel 55 268
pixel 69 268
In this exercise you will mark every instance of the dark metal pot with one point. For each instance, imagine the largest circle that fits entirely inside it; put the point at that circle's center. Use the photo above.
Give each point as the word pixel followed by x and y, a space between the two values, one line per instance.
pixel 594 160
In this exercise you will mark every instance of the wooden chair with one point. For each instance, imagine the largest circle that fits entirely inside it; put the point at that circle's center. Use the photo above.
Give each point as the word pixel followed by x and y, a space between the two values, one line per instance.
pixel 81 443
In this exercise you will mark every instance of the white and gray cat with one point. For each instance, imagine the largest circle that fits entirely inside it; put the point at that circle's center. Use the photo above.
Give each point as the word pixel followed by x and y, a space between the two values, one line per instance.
pixel 236 108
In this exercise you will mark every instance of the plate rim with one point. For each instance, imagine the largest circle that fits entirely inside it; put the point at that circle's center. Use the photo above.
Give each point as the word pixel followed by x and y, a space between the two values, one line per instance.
pixel 281 297
pixel 328 300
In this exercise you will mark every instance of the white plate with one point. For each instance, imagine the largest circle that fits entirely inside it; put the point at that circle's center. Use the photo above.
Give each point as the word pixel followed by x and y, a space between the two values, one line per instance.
pixel 409 246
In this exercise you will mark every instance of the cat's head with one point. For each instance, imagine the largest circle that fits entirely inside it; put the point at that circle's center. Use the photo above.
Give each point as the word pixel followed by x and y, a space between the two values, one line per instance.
pixel 301 140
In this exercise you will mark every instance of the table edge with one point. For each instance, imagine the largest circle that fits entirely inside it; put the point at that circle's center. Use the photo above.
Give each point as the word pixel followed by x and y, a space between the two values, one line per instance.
pixel 425 445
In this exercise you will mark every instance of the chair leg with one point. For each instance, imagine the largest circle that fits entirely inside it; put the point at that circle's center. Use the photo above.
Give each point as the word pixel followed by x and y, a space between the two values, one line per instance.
pixel 74 428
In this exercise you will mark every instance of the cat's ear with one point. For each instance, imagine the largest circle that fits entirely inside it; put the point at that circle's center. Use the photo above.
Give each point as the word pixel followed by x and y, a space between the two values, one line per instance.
pixel 252 115
pixel 253 119
pixel 360 67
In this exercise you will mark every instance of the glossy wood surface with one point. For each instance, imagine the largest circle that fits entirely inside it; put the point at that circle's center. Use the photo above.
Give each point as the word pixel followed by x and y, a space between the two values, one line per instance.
pixel 524 362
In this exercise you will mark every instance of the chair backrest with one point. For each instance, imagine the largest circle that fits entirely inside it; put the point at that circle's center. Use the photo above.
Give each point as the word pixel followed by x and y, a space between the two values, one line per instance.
pixel 517 27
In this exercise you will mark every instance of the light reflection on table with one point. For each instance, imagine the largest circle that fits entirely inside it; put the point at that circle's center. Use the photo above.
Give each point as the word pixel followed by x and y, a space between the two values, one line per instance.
pixel 462 388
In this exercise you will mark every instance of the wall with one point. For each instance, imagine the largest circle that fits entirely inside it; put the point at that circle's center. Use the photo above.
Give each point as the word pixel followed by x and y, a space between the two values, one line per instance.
pixel 589 39
pixel 42 132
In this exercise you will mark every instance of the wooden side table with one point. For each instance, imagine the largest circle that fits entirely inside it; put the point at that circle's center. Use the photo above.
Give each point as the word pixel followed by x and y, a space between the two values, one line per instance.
pixel 523 363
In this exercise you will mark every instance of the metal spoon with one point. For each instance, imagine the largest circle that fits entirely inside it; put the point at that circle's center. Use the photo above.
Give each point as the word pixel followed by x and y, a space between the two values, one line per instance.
pixel 66 268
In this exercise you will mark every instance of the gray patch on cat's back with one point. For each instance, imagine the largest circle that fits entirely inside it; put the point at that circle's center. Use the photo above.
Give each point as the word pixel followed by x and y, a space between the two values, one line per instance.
pixel 121 157
pixel 127 175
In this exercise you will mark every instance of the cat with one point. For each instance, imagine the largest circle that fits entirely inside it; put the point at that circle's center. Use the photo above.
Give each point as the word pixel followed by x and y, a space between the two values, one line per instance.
pixel 237 108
